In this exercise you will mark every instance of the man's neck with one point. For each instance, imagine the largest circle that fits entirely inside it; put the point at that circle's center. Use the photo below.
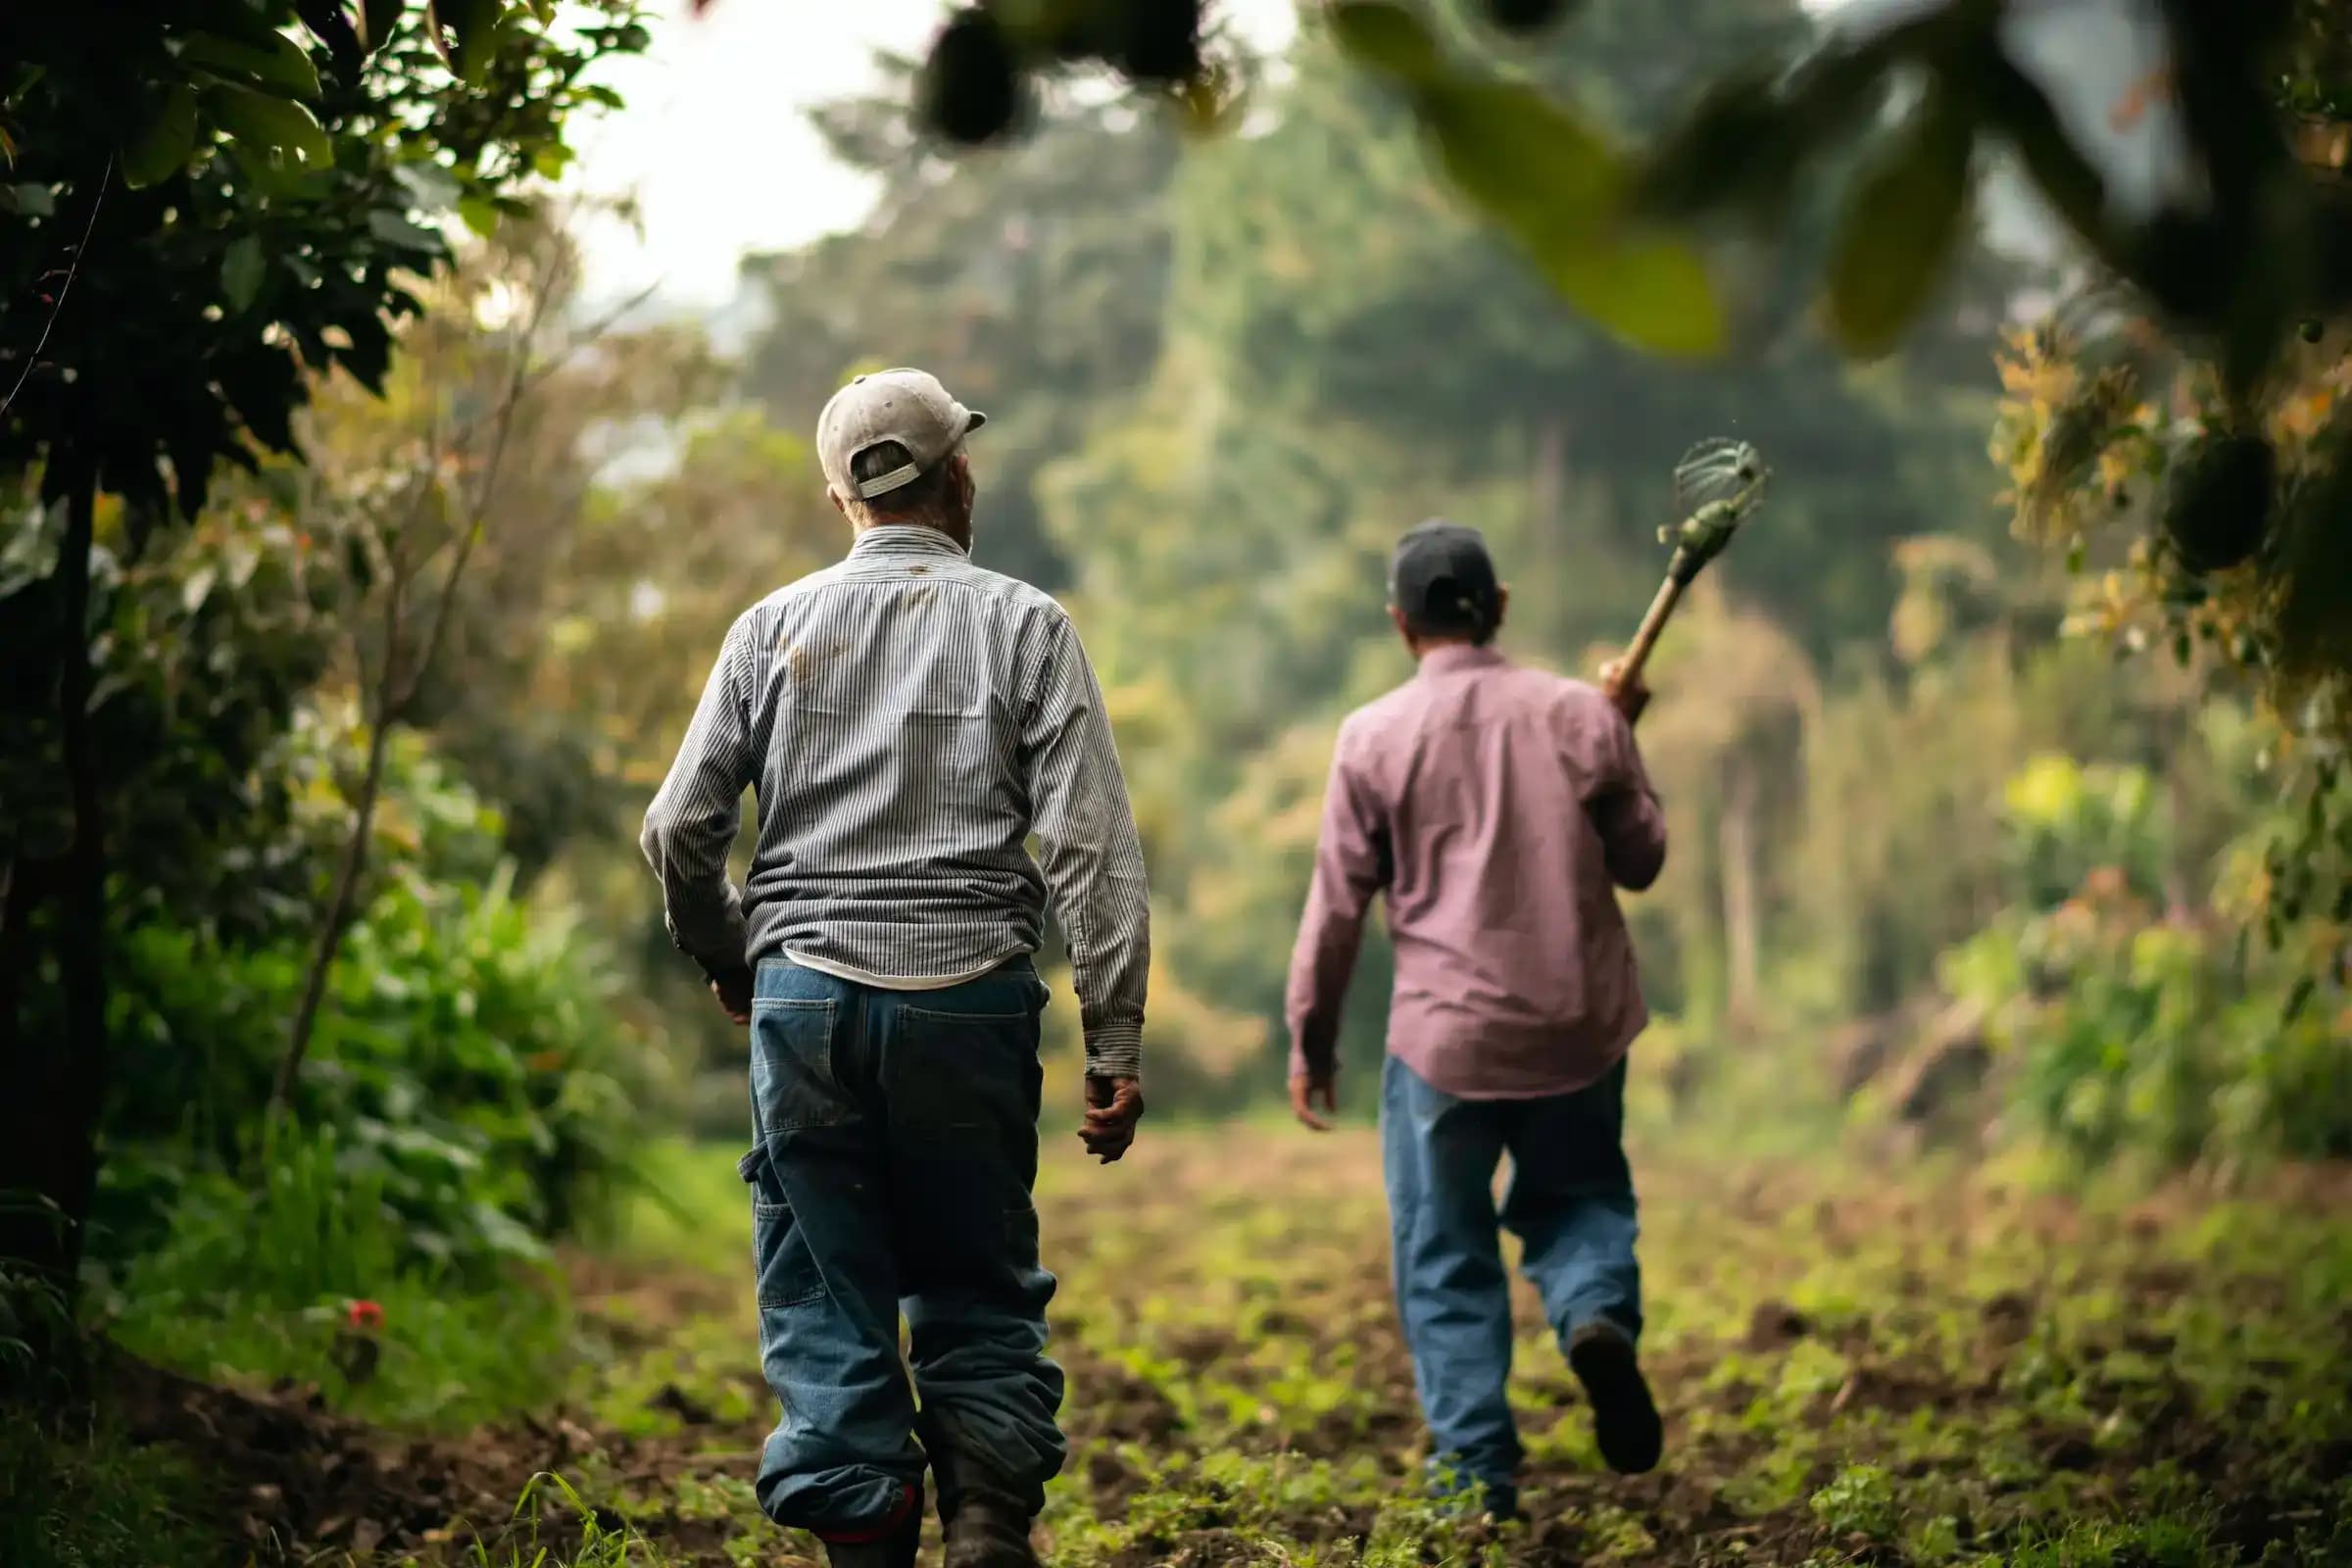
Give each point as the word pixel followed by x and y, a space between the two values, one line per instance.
pixel 960 538
pixel 1454 656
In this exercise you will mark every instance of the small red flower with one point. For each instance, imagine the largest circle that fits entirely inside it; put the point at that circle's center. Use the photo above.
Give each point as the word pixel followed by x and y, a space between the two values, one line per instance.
pixel 369 1316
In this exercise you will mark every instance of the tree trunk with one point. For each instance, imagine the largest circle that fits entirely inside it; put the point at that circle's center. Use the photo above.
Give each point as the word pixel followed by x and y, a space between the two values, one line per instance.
pixel 20 1179
pixel 1548 501
pixel 49 1123
pixel 1736 843
pixel 17 902
pixel 1548 482
pixel 339 910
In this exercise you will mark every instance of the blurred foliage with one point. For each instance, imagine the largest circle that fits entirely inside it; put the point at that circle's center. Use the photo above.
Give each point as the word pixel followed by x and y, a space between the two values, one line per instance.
pixel 1006 275
pixel 618 509
pixel 2202 504
pixel 2137 1032
pixel 210 203
pixel 202 653
pixel 217 212
pixel 1593 216
pixel 468 1060
pixel 633 504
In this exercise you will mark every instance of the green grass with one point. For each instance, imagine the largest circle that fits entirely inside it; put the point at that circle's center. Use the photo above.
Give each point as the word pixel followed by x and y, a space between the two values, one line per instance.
pixel 446 1360
pixel 688 1206
pixel 261 1285
pixel 554 1526
pixel 78 1495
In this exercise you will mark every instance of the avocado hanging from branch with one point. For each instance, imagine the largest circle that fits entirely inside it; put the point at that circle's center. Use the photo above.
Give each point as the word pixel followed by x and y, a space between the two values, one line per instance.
pixel 1717 486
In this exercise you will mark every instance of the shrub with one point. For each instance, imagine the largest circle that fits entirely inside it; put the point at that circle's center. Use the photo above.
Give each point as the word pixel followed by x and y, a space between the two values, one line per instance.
pixel 2126 1035
pixel 465 1064
pixel 314 1274
pixel 2177 1035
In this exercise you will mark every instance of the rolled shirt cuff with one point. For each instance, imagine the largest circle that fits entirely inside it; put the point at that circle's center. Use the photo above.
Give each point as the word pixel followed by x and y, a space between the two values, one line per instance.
pixel 1314 1048
pixel 1114 1051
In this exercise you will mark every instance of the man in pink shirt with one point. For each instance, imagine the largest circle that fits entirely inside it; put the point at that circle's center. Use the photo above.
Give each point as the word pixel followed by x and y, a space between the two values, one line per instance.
pixel 1499 808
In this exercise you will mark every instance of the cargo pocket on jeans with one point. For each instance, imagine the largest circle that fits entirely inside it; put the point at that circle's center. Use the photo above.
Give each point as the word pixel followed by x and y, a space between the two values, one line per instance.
pixel 787 1270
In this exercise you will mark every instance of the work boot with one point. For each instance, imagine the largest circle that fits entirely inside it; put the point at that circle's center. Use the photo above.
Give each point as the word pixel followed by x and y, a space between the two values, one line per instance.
pixel 891 1545
pixel 988 1529
pixel 1625 1419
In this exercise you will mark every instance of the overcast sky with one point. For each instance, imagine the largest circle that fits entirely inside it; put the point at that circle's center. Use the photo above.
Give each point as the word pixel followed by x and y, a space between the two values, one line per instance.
pixel 716 140
pixel 717 146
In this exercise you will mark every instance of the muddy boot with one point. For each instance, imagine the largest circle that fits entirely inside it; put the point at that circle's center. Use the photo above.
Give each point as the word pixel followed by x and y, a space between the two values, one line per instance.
pixel 893 1545
pixel 1625 1419
pixel 988 1529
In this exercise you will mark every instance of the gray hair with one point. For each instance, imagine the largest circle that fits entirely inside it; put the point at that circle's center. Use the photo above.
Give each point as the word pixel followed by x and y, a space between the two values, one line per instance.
pixel 923 499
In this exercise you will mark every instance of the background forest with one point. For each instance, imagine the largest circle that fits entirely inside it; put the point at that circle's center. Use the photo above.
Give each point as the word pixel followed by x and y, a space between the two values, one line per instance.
pixel 2003 810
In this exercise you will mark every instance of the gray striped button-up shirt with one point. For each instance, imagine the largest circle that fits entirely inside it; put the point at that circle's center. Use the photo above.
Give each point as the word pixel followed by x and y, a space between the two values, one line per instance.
pixel 907 719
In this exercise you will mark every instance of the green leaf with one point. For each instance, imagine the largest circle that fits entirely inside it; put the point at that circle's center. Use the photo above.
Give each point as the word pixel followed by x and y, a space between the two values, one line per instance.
pixel 1903 222
pixel 479 213
pixel 161 147
pixel 28 201
pixel 1522 157
pixel 1649 289
pixel 1558 186
pixel 281 66
pixel 241 271
pixel 275 124
pixel 1737 143
pixel 275 176
pixel 399 232
pixel 377 19
pixel 430 187
pixel 1387 38
pixel 466 32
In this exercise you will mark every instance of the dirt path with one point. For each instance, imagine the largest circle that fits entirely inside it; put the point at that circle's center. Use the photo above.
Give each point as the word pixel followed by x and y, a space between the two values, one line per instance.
pixel 1875 1371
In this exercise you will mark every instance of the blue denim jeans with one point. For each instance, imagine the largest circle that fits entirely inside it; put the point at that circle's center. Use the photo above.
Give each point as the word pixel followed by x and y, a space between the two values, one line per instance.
pixel 1571 1204
pixel 897 1146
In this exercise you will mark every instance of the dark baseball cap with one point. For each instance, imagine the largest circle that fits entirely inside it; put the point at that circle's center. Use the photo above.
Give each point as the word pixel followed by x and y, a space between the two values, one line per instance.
pixel 1443 580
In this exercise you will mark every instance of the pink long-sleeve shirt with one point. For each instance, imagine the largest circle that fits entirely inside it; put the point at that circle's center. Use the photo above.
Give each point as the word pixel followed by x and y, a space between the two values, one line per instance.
pixel 1499 808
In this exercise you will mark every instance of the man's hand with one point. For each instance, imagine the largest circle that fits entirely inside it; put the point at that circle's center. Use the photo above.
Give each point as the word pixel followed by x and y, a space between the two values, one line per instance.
pixel 734 994
pixel 1309 1088
pixel 1113 1106
pixel 1630 695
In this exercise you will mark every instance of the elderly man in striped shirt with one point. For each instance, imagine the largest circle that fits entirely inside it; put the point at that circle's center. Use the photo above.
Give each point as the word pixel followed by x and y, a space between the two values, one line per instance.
pixel 908 720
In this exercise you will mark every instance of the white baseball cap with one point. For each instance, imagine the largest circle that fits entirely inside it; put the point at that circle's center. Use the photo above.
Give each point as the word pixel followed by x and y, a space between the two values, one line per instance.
pixel 905 406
